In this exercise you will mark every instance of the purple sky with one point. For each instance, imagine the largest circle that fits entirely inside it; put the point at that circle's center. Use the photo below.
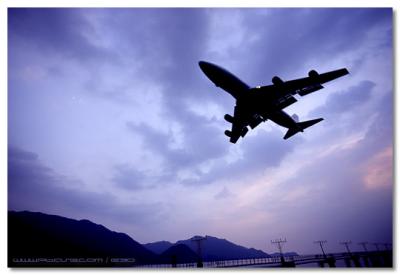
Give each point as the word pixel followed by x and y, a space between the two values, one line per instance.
pixel 110 119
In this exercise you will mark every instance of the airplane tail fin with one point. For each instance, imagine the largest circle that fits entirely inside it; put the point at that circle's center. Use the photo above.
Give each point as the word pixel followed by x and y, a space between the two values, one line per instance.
pixel 301 126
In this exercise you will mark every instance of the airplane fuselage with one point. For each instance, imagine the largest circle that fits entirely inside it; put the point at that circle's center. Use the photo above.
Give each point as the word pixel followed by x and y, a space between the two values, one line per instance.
pixel 224 79
pixel 245 99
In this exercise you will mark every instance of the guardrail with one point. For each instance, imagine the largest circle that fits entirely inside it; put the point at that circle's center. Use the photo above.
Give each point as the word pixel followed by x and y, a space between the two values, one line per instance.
pixel 356 259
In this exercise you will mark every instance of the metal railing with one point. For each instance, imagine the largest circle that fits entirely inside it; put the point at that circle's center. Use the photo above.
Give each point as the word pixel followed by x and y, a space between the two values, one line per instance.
pixel 370 259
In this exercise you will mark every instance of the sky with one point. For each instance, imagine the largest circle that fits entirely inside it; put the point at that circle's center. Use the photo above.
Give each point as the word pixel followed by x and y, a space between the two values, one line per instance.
pixel 110 119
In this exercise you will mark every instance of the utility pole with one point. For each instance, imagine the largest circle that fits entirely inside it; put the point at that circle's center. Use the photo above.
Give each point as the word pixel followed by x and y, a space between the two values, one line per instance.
pixel 366 259
pixel 376 246
pixel 198 240
pixel 279 243
pixel 322 248
pixel 347 245
pixel 364 244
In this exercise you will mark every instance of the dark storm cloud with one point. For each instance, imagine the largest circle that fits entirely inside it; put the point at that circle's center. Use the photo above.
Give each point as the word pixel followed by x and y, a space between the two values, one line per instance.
pixel 24 166
pixel 259 152
pixel 165 43
pixel 128 177
pixel 54 31
pixel 380 133
pixel 346 101
pixel 182 43
pixel 34 186
pixel 201 142
pixel 294 37
pixel 204 142
pixel 351 110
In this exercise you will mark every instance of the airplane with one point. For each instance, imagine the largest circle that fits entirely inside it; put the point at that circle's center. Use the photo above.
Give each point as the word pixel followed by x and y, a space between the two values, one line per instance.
pixel 258 104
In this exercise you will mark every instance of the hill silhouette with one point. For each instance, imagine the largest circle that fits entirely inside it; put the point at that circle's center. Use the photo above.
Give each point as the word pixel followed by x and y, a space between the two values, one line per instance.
pixel 213 249
pixel 50 240
pixel 178 254
pixel 158 247
pixel 37 240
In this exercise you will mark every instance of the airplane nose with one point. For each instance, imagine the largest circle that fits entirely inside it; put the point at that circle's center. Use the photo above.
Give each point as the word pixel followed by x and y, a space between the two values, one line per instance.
pixel 206 67
pixel 202 64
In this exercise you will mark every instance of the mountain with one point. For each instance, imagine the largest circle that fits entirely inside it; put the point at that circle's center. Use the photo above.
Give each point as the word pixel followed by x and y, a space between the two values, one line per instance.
pixel 215 249
pixel 158 247
pixel 37 239
pixel 178 253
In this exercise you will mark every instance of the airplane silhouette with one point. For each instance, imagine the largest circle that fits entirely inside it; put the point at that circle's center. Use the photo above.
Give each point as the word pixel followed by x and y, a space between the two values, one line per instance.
pixel 258 104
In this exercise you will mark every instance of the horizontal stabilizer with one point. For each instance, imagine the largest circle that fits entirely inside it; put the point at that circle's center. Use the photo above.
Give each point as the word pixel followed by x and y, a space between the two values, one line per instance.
pixel 291 132
pixel 301 126
pixel 305 124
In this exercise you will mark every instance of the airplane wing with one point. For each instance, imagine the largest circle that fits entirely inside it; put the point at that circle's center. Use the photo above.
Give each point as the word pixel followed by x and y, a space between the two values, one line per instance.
pixel 302 86
pixel 312 83
pixel 277 96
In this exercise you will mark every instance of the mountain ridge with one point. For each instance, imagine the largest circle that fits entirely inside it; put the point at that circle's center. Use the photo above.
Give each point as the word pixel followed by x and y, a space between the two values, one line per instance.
pixel 213 249
pixel 35 235
pixel 40 235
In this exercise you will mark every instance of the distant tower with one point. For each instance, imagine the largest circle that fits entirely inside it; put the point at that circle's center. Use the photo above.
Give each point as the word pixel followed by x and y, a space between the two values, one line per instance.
pixel 322 248
pixel 376 246
pixel 364 245
pixel 279 243
pixel 198 240
pixel 346 244
pixel 387 246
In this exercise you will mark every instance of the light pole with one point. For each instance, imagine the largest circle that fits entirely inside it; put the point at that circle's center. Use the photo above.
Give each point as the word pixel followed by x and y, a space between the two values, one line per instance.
pixel 322 248
pixel 364 244
pixel 347 245
pixel 279 243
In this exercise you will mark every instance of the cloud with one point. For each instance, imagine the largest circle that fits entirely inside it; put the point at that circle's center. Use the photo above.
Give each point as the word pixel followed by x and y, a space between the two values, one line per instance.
pixel 349 100
pixel 34 186
pixel 224 193
pixel 290 44
pixel 207 146
pixel 197 142
pixel 350 115
pixel 379 170
pixel 354 179
pixel 128 177
pixel 149 125
pixel 55 31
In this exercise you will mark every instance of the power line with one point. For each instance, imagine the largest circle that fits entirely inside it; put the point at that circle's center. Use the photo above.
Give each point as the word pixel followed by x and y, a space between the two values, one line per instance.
pixel 347 245
pixel 322 248
pixel 364 244
pixel 387 246
pixel 376 246
pixel 279 243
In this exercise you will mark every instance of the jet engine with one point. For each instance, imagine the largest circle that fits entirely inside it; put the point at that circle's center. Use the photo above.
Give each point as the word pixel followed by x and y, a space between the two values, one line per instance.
pixel 229 118
pixel 255 121
pixel 228 133
pixel 313 74
pixel 277 81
